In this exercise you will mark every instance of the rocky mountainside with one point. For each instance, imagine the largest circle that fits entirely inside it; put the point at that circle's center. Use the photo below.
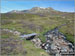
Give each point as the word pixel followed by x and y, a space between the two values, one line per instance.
pixel 43 12
pixel 34 9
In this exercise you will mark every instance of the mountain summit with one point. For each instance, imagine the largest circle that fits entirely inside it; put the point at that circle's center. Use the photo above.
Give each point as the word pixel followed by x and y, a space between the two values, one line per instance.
pixel 42 8
pixel 42 11
pixel 33 10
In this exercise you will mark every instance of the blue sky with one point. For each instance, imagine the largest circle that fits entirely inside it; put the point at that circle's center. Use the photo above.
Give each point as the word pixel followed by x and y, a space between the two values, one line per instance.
pixel 65 6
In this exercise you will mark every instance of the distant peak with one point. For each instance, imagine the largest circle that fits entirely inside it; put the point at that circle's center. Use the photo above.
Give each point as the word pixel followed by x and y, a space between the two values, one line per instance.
pixel 14 11
pixel 36 8
pixel 42 8
pixel 50 8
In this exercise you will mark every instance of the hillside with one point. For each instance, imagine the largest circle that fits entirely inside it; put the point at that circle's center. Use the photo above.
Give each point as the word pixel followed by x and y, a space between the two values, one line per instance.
pixel 35 23
pixel 37 20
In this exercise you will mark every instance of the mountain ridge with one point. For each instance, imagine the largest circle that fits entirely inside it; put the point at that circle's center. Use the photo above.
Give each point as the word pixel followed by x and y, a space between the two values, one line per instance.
pixel 34 8
pixel 43 12
pixel 37 8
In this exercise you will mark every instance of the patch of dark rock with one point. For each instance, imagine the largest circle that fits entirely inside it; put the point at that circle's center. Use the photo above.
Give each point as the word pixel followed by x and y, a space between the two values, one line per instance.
pixel 30 37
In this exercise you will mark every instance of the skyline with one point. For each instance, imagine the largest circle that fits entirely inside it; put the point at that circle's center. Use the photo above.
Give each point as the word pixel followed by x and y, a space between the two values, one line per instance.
pixel 64 6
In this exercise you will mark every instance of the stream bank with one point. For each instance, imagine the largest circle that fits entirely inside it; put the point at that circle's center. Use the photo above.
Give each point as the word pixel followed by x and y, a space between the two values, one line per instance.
pixel 56 42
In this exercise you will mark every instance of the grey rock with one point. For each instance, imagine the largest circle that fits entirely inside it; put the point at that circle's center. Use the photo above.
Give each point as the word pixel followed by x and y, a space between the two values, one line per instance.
pixel 37 42
pixel 56 41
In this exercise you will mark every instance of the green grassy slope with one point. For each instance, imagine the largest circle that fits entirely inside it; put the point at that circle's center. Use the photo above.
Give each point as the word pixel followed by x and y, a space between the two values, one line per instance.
pixel 29 23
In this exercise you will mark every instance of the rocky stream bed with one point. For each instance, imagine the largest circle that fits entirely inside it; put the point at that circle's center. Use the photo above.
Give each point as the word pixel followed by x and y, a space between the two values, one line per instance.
pixel 56 42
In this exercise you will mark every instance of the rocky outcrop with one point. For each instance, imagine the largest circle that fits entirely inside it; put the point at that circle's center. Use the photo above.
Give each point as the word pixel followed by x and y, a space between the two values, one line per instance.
pixel 37 42
pixel 56 42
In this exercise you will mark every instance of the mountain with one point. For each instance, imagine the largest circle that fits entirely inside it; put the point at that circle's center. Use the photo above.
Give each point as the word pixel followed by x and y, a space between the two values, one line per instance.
pixel 40 19
pixel 40 9
pixel 33 10
pixel 14 11
pixel 43 12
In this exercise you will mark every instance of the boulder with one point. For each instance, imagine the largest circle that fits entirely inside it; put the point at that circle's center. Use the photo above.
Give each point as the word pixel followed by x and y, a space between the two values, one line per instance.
pixel 37 42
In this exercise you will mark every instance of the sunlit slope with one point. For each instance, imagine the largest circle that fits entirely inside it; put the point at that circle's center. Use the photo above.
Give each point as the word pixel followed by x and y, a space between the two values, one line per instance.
pixel 29 23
